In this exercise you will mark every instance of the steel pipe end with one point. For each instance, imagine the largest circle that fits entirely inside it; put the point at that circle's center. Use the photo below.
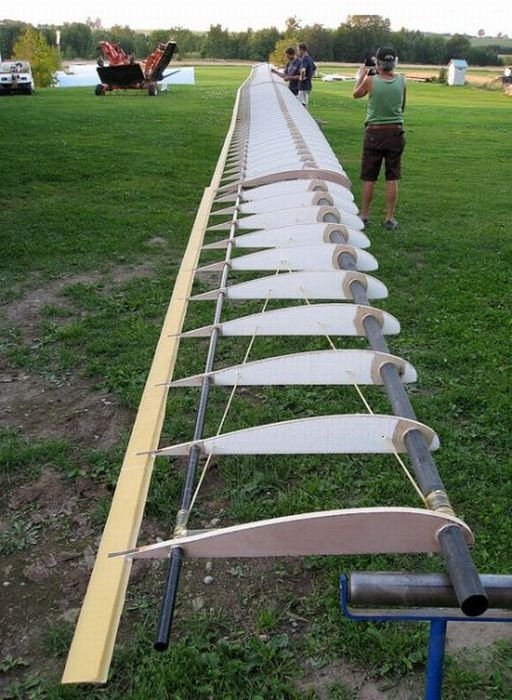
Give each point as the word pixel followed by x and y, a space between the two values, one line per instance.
pixel 475 605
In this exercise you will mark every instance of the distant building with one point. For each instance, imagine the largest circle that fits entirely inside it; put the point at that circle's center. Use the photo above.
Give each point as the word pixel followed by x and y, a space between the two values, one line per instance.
pixel 457 71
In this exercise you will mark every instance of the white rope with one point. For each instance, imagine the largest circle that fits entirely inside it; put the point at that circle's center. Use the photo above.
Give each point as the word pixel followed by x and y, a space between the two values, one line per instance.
pixel 370 411
pixel 358 389
pixel 228 404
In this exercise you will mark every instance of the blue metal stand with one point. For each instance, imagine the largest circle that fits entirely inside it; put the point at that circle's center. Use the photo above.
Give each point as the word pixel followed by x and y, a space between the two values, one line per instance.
pixel 438 619
pixel 435 663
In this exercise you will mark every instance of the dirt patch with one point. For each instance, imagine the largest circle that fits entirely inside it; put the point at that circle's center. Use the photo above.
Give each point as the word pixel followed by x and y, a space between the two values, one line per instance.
pixel 157 242
pixel 49 536
pixel 67 408
pixel 256 594
pixel 357 681
pixel 46 560
pixel 49 527
pixel 64 407
pixel 209 278
pixel 25 313
pixel 474 635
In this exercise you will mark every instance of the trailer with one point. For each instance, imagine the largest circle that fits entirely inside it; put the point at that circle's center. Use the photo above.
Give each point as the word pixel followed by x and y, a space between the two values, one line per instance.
pixel 119 70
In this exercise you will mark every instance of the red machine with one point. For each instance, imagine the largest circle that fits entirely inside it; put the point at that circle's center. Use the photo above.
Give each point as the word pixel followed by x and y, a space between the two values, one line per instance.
pixel 123 72
pixel 114 54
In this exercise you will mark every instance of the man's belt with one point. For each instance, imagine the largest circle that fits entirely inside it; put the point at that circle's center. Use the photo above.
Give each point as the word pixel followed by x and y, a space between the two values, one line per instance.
pixel 384 126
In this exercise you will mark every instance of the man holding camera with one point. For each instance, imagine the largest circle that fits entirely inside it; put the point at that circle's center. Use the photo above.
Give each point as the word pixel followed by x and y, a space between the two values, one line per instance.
pixel 384 135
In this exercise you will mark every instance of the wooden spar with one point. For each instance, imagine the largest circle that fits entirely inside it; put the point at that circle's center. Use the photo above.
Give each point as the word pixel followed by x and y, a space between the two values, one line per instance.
pixel 93 642
pixel 94 638
pixel 329 367
pixel 339 434
pixel 315 257
pixel 298 215
pixel 313 319
pixel 326 284
pixel 335 532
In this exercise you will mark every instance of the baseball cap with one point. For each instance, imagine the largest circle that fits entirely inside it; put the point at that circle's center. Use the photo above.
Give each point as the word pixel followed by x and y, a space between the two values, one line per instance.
pixel 386 54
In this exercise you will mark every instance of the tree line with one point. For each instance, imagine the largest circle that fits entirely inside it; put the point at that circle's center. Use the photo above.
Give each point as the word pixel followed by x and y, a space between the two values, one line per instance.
pixel 349 42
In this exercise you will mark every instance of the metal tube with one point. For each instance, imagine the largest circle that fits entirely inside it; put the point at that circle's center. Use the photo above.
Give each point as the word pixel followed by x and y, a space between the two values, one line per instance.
pixel 187 491
pixel 470 594
pixel 374 334
pixel 462 571
pixel 400 589
pixel 399 400
pixel 176 560
pixel 169 600
pixel 424 466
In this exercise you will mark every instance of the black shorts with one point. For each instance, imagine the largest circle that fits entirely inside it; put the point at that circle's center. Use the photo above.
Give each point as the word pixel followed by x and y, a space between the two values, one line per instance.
pixel 386 145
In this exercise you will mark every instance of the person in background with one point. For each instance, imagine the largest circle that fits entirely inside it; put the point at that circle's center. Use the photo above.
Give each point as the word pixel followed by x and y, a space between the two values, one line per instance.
pixel 291 73
pixel 384 138
pixel 307 71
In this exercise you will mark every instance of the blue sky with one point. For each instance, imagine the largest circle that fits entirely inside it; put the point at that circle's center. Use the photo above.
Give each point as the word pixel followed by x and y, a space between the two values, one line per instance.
pixel 436 15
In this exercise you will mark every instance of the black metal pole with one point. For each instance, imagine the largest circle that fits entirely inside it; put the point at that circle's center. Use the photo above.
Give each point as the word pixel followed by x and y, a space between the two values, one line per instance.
pixel 463 574
pixel 468 588
pixel 167 606
pixel 169 600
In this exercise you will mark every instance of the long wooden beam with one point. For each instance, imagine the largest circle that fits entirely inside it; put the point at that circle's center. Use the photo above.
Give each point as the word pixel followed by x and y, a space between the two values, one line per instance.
pixel 91 651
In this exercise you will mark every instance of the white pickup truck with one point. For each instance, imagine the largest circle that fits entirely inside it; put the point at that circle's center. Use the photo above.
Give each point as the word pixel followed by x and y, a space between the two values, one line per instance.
pixel 16 77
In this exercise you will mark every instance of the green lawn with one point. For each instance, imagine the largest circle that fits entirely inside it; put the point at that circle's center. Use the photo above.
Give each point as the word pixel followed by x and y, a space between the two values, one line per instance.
pixel 88 182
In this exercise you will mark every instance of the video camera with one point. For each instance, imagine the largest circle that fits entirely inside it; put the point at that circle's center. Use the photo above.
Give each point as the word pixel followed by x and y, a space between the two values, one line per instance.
pixel 370 62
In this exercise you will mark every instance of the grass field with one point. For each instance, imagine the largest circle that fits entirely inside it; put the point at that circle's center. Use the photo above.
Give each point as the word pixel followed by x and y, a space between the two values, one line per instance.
pixel 98 199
